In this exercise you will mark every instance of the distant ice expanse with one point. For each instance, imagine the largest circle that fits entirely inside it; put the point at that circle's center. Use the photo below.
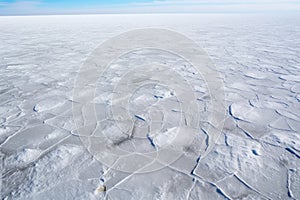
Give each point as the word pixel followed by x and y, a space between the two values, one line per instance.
pixel 256 157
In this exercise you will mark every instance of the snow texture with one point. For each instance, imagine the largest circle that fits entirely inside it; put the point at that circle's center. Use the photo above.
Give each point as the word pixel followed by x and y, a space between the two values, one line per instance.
pixel 256 157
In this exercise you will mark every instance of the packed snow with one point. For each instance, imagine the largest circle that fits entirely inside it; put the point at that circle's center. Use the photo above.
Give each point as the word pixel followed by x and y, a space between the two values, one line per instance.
pixel 257 155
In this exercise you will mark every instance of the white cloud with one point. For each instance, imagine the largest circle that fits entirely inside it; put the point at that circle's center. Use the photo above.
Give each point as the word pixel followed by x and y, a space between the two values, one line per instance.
pixel 223 5
pixel 19 7
pixel 157 6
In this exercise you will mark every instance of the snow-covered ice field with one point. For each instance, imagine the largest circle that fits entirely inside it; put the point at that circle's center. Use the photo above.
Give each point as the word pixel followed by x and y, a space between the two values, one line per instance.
pixel 257 155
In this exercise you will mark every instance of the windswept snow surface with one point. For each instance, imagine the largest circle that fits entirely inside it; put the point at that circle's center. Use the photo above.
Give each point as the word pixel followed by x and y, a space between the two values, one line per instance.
pixel 256 157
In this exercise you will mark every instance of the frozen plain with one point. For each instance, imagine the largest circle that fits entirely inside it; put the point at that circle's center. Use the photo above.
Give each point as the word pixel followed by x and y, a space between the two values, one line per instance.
pixel 256 156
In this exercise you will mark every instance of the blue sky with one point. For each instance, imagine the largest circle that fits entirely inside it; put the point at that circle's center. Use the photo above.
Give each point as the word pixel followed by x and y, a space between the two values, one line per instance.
pixel 34 7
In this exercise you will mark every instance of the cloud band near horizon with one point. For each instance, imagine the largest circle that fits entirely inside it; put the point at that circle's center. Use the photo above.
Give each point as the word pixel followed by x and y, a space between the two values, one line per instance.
pixel 40 7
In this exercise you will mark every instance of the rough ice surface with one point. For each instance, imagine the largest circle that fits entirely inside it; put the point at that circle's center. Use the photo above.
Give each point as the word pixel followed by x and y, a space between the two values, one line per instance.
pixel 256 157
